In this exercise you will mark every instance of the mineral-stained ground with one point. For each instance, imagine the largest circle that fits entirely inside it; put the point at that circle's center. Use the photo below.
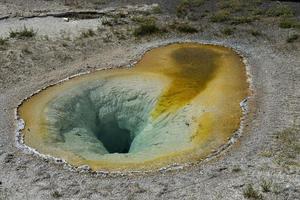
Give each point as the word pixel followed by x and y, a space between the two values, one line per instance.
pixel 43 42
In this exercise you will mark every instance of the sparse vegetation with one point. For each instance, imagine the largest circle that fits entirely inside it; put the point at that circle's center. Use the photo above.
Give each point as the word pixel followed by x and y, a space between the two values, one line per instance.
pixel 255 32
pixel 186 28
pixel 87 33
pixel 3 41
pixel 56 195
pixel 267 154
pixel 157 10
pixel 292 38
pixel 143 19
pixel 280 10
pixel 23 33
pixel 120 34
pixel 241 20
pixel 257 11
pixel 228 31
pixel 147 27
pixel 288 23
pixel 251 193
pixel 289 150
pixel 99 2
pixel 25 50
pixel 276 189
pixel 64 44
pixel 234 5
pixel 110 21
pixel 73 3
pixel 266 185
pixel 220 16
pixel 236 169
pixel 185 5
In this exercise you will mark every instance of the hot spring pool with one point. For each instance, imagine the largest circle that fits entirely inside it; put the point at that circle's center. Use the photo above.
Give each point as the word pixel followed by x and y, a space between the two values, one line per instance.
pixel 176 105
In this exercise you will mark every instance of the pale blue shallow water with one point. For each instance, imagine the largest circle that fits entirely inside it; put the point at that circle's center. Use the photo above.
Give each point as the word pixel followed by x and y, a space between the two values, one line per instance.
pixel 112 117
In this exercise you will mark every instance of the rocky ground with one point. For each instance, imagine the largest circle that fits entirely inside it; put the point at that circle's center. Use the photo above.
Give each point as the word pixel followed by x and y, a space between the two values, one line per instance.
pixel 263 164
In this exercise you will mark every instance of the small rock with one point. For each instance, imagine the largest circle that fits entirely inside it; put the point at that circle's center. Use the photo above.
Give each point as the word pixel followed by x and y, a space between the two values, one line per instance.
pixel 162 192
pixel 66 19
pixel 84 168
pixel 289 187
pixel 222 169
pixel 8 158
pixel 238 186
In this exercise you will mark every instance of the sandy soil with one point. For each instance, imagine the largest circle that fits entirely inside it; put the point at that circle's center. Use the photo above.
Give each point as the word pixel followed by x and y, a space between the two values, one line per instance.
pixel 264 152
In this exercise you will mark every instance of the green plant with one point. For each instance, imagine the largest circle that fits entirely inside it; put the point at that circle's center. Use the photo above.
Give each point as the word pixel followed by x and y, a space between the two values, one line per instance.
pixel 56 195
pixel 110 21
pixel 220 16
pixel 23 33
pixel 185 5
pixel 3 41
pixel 276 189
pixel 292 38
pixel 227 31
pixel 87 33
pixel 280 10
pixel 186 28
pixel 143 20
pixel 146 28
pixel 64 44
pixel 73 3
pixel 266 185
pixel 120 35
pixel 236 169
pixel 255 33
pixel 26 50
pixel 251 193
pixel 234 5
pixel 241 20
pixel 99 2
pixel 267 154
pixel 257 11
pixel 288 23
pixel 289 147
pixel 157 9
